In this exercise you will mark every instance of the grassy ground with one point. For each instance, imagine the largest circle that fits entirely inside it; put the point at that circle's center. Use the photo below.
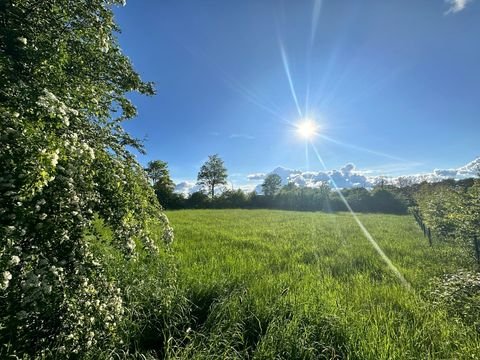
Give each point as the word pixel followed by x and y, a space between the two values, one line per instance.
pixel 289 285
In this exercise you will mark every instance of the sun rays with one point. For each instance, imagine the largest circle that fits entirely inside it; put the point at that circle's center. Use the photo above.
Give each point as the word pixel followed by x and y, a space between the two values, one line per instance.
pixel 307 128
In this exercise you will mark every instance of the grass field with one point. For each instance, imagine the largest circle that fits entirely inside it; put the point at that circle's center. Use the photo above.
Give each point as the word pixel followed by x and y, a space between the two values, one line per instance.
pixel 289 285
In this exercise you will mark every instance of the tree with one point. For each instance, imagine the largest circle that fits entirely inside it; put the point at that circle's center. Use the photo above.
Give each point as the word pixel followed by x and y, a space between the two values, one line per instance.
pixel 272 184
pixel 387 202
pixel 212 173
pixel 64 167
pixel 157 171
pixel 231 199
pixel 198 200
pixel 163 185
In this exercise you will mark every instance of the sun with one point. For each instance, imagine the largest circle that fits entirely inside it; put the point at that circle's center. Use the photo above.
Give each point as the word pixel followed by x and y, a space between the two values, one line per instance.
pixel 307 128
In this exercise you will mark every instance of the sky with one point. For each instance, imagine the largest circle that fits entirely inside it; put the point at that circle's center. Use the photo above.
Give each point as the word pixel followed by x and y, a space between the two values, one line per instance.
pixel 394 86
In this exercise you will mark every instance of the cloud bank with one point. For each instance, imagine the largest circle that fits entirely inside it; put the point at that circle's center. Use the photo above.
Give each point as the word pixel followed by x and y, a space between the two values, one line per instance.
pixel 187 187
pixel 346 177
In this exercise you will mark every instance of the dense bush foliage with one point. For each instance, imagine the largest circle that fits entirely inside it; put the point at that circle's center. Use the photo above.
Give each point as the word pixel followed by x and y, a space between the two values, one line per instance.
pixel 451 209
pixel 460 293
pixel 64 164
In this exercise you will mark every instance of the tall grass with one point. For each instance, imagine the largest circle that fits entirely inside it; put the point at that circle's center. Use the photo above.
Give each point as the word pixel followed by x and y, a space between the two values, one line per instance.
pixel 287 285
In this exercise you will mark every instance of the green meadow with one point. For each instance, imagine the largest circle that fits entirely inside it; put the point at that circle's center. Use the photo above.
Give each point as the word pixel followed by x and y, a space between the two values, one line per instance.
pixel 265 284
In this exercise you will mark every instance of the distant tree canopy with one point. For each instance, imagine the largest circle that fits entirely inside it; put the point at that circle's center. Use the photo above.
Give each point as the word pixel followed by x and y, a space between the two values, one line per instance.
pixel 212 174
pixel 292 197
pixel 272 184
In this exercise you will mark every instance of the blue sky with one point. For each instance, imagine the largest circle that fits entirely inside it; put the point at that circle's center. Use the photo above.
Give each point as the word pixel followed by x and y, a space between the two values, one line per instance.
pixel 393 85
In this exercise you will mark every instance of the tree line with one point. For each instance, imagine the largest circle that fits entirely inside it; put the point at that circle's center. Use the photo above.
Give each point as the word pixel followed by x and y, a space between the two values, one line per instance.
pixel 213 174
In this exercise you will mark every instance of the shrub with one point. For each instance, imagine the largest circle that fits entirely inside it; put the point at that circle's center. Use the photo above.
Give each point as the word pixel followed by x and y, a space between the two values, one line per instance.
pixel 64 163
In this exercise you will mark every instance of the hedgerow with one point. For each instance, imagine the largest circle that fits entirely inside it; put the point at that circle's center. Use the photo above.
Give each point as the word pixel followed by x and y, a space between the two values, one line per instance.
pixel 64 164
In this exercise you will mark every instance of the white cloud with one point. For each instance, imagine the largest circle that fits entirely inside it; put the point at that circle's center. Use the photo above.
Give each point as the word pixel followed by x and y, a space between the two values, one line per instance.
pixel 349 177
pixel 346 177
pixel 456 5
pixel 347 169
pixel 187 187
pixel 247 188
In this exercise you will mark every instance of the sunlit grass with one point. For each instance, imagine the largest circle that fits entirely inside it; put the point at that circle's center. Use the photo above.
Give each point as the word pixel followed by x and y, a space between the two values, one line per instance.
pixel 275 284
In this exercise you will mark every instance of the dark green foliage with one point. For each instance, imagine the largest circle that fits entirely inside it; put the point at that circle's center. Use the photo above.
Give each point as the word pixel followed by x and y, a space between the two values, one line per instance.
pixel 384 201
pixel 231 199
pixel 360 199
pixel 198 200
pixel 163 185
pixel 302 198
pixel 291 197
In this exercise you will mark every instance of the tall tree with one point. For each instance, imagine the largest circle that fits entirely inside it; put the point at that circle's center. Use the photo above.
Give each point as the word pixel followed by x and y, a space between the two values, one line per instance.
pixel 272 184
pixel 212 174
pixel 163 185
pixel 157 171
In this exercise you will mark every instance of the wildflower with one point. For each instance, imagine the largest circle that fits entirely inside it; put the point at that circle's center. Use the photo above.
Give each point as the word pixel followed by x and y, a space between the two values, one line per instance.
pixel 168 235
pixel 55 158
pixel 5 280
pixel 22 39
pixel 15 260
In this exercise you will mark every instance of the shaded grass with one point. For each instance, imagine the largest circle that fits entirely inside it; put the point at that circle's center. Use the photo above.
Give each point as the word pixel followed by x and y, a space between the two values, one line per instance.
pixel 153 304
pixel 268 284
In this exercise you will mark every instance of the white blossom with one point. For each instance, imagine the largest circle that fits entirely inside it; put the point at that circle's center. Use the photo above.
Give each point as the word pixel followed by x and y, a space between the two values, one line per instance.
pixel 7 276
pixel 22 39
pixel 15 260
pixel 55 157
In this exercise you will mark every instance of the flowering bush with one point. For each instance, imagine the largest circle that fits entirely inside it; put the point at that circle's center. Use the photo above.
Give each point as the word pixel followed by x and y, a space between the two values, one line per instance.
pixel 452 211
pixel 460 293
pixel 64 163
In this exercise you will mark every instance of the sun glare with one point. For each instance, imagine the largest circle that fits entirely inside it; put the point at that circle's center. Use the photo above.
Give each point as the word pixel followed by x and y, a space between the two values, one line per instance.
pixel 307 128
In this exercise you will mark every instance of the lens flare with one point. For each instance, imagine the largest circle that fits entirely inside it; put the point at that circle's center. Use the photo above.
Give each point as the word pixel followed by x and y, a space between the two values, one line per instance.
pixel 367 234
pixel 307 128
